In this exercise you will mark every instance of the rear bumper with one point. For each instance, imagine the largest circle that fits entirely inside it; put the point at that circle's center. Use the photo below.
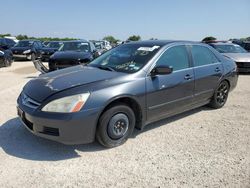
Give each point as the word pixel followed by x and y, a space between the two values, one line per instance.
pixel 244 70
pixel 77 128
pixel 243 67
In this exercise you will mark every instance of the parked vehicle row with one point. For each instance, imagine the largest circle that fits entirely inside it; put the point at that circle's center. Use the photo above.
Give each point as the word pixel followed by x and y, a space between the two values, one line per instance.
pixel 6 56
pixel 27 50
pixel 50 49
pixel 234 52
pixel 129 86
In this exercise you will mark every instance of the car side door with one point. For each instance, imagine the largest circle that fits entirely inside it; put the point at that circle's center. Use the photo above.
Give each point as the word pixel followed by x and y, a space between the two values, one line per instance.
pixel 208 70
pixel 172 93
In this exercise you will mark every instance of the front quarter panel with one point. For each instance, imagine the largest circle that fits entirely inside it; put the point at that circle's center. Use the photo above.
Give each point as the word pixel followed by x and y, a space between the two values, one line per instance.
pixel 133 88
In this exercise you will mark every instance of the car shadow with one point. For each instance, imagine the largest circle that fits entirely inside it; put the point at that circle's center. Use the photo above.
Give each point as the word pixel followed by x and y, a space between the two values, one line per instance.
pixel 16 141
pixel 169 120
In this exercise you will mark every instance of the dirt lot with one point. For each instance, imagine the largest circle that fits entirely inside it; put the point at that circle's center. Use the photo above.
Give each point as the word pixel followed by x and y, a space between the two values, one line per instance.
pixel 204 147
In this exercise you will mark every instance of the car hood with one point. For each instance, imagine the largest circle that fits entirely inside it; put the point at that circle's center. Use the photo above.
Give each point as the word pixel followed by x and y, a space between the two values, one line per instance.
pixel 49 49
pixel 71 55
pixel 238 57
pixel 48 84
pixel 20 48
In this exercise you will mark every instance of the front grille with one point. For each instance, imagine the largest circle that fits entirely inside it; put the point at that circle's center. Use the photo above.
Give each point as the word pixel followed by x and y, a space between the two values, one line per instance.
pixel 27 101
pixel 50 131
pixel 243 64
pixel 18 52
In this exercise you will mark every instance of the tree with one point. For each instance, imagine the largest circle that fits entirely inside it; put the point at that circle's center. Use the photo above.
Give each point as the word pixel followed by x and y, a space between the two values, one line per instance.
pixel 111 39
pixel 134 38
pixel 210 38
pixel 5 35
pixel 21 37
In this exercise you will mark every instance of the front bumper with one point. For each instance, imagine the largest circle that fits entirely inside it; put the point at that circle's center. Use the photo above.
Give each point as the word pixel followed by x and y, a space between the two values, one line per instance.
pixel 20 56
pixel 75 128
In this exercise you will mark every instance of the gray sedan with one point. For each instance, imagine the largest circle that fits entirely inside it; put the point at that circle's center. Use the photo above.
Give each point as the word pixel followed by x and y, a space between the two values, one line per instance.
pixel 129 86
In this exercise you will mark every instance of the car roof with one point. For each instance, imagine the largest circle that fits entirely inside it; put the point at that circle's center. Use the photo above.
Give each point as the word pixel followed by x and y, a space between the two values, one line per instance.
pixel 161 42
pixel 223 43
pixel 31 40
pixel 80 40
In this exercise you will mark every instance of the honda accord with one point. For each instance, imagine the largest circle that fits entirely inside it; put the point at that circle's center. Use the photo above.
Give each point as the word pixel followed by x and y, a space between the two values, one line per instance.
pixel 129 86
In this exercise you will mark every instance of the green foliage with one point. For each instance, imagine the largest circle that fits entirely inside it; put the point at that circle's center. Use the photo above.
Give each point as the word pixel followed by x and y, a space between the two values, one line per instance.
pixel 248 38
pixel 21 37
pixel 5 35
pixel 111 39
pixel 134 38
pixel 208 39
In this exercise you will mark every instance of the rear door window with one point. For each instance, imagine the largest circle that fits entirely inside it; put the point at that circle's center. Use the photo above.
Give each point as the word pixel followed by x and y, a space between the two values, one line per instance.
pixel 203 56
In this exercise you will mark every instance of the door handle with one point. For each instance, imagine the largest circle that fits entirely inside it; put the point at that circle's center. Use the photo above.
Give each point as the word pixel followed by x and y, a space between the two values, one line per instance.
pixel 188 77
pixel 217 69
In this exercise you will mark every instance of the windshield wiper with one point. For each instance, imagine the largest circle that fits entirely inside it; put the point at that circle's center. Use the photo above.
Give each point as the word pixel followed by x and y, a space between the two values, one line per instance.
pixel 104 67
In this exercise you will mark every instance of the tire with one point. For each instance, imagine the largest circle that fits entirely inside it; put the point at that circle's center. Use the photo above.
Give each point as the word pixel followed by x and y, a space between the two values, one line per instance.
pixel 220 96
pixel 7 62
pixel 115 126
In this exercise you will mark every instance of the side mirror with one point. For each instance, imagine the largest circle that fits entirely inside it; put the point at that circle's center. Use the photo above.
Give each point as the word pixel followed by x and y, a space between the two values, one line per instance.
pixel 161 70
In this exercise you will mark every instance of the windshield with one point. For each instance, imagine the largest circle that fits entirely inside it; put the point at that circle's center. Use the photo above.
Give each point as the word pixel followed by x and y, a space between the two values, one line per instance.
pixel 24 44
pixel 127 58
pixel 75 46
pixel 229 48
pixel 54 45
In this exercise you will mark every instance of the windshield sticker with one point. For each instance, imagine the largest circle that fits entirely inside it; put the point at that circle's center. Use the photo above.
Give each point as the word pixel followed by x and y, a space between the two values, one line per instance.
pixel 125 65
pixel 148 49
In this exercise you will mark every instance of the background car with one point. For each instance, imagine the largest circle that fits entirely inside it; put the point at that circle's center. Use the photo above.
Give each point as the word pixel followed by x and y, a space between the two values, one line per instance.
pixel 129 86
pixel 236 53
pixel 50 49
pixel 6 56
pixel 27 49
pixel 72 53
pixel 100 48
pixel 246 46
pixel 12 38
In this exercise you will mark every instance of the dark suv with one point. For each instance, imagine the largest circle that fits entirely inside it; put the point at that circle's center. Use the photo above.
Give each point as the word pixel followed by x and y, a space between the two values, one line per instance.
pixel 6 57
pixel 27 49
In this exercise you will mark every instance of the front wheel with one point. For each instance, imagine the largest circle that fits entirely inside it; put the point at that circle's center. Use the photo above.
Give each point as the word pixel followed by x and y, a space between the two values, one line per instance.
pixel 7 62
pixel 220 96
pixel 115 126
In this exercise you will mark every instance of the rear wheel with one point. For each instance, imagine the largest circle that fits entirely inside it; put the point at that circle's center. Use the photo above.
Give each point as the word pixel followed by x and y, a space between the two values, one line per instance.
pixel 220 96
pixel 115 126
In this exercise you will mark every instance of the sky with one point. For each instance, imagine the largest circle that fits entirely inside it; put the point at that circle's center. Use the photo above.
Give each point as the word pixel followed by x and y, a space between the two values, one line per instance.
pixel 94 19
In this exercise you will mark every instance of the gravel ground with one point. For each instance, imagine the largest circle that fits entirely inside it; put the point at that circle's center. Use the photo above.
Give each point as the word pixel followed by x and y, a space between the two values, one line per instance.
pixel 200 148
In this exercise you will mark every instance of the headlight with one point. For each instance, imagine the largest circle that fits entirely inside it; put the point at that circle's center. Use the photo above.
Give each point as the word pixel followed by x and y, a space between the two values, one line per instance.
pixel 68 104
pixel 27 51
pixel 1 52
